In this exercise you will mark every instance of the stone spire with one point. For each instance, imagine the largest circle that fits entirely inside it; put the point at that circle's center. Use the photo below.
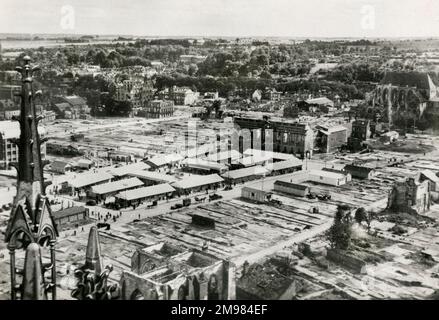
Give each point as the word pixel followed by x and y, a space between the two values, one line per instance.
pixel 30 223
pixel 92 277
pixel 34 287
pixel 93 260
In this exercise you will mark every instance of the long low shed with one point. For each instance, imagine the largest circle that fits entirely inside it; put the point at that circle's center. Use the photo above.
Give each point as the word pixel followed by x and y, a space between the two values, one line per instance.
pixel 87 180
pixel 245 174
pixel 291 188
pixel 198 183
pixel 285 166
pixel 151 193
pixel 110 188
pixel 152 177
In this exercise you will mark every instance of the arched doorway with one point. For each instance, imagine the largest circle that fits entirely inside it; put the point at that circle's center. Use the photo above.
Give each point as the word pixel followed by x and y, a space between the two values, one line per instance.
pixel 195 287
pixel 182 292
pixel 212 288
pixel 137 295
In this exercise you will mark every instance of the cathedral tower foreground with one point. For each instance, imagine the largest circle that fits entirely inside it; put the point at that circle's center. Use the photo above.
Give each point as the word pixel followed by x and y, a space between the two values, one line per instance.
pixel 30 227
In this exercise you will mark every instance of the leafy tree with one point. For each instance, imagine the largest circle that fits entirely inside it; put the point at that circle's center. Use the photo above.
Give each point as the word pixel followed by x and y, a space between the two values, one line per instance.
pixel 340 232
pixel 361 215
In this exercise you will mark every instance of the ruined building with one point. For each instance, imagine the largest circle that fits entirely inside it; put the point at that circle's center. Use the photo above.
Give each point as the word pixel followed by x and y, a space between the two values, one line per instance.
pixel 361 131
pixel 410 196
pixel 406 97
pixel 166 272
pixel 31 227
pixel 276 135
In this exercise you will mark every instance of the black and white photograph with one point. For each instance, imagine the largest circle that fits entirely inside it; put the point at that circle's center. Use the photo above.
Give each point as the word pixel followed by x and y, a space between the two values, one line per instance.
pixel 226 150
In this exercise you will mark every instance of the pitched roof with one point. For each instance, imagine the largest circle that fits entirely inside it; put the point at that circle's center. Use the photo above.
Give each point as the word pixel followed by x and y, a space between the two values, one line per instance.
pixel 329 130
pixel 165 159
pixel 197 181
pixel 430 175
pixel 75 100
pixel 204 164
pixel 291 163
pixel 89 179
pixel 327 174
pixel 133 167
pixel 62 106
pixel 145 192
pixel 152 176
pixel 117 186
pixel 254 159
pixel 290 185
pixel 245 172
pixel 61 165
pixel 320 101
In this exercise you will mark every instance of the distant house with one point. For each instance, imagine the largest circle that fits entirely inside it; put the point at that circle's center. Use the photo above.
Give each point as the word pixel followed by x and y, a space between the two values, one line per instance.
pixel 103 191
pixel 326 177
pixel 196 183
pixel 86 180
pixel 149 193
pixel 330 139
pixel 295 189
pixel 429 175
pixel 71 107
pixel 181 96
pixel 62 110
pixel 70 217
pixel 60 167
pixel 347 174
pixel 203 167
pixel 321 104
pixel 254 194
pixel 157 109
pixel 161 161
pixel 271 95
pixel 245 174
pixel 286 166
pixel 84 164
pixel 359 172
pixel 211 96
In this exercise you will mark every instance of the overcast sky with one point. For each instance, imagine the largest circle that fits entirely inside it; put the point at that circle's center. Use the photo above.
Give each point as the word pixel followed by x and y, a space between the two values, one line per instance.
pixel 290 18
